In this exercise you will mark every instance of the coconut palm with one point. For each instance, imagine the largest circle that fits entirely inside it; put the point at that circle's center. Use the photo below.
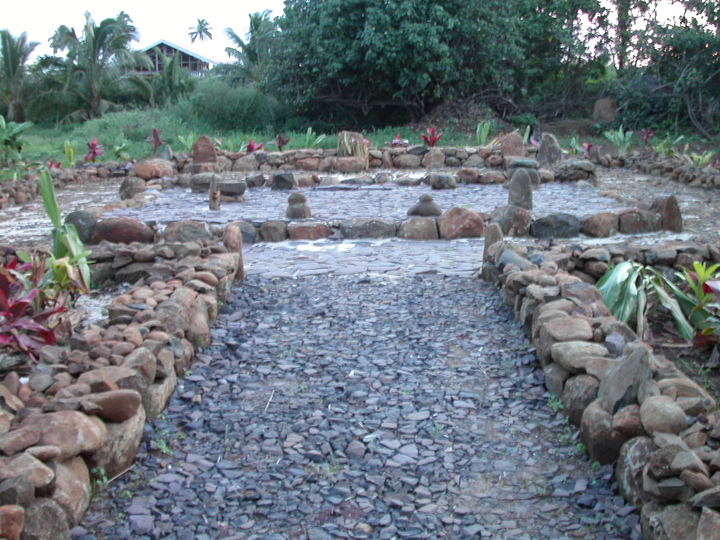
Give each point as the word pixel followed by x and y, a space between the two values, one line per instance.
pixel 200 31
pixel 251 55
pixel 14 87
pixel 97 64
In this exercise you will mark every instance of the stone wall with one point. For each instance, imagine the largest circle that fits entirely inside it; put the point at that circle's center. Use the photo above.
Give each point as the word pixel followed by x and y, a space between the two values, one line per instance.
pixel 634 407
pixel 77 412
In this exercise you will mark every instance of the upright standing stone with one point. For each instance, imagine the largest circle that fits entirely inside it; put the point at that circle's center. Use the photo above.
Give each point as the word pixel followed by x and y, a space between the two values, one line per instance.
pixel 549 152
pixel 669 210
pixel 493 234
pixel 297 207
pixel 203 150
pixel 512 145
pixel 214 194
pixel 520 189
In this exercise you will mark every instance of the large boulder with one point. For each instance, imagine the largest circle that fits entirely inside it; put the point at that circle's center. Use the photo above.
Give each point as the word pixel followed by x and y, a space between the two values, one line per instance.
pixel 45 520
pixel 557 225
pixel 460 223
pixel 513 220
pixel 186 231
pixel 638 221
pixel 662 414
pixel 573 170
pixel 621 383
pixel 122 230
pixel 203 150
pixel 312 230
pixel 274 230
pixel 153 168
pixel 419 228
pixel 131 186
pixel 84 223
pixel 549 152
pixel 634 455
pixel 120 445
pixel 71 431
pixel 600 225
pixel 368 228
pixel 512 145
pixel 425 207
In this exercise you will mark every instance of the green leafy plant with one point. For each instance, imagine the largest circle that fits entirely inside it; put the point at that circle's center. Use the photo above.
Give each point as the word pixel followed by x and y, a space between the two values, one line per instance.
pixel 630 289
pixel 620 139
pixel 667 146
pixel 99 479
pixel 69 153
pixel 554 403
pixel 698 160
pixel 312 140
pixel 186 142
pixel 482 132
pixel 120 151
pixel 70 263
pixel 11 140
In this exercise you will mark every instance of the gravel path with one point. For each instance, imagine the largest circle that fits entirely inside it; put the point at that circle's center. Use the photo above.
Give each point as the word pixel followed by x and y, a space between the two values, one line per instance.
pixel 361 406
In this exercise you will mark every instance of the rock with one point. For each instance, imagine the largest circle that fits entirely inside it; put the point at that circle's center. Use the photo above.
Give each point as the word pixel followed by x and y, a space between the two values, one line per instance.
pixel 153 168
pixel 123 230
pixel 460 223
pixel 578 393
pixel 71 431
pixel 709 525
pixel 27 466
pixel 660 413
pixel 434 159
pixel 12 521
pixel 493 234
pixel 406 161
pixel 513 220
pixel 557 225
pixel 604 111
pixel 18 440
pixel 72 488
pixel 297 207
pixel 115 405
pixel 247 163
pixel 638 221
pixel 440 181
pixel 355 450
pixel 248 231
pixel 425 207
pixel 555 377
pixel 17 490
pixel 232 238
pixel 627 422
pixel 273 230
pixel 283 181
pixel 669 210
pixel 708 498
pixel 367 228
pixel 131 186
pixel 602 442
pixel 634 455
pixel 468 175
pixel 419 228
pixel 255 180
pixel 231 187
pixel 186 231
pixel 573 170
pixel 45 520
pixel 572 329
pixel 572 355
pixel 351 164
pixel 203 150
pixel 600 225
pixel 120 445
pixel 549 152
pixel 84 223
pixel 520 189
pixel 512 145
pixel 620 385
pixel 314 230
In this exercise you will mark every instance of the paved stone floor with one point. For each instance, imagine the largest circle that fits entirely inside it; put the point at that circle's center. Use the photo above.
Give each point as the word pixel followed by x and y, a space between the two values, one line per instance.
pixel 371 404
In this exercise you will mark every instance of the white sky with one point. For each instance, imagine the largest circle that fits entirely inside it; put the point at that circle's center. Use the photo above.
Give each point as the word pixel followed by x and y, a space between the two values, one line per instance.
pixel 154 19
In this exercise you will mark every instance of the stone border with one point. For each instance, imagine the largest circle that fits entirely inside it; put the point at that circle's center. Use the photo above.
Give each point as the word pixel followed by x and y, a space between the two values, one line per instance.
pixel 634 408
pixel 79 411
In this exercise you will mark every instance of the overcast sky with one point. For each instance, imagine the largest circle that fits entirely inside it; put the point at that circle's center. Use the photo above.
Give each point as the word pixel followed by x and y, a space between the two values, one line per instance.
pixel 154 19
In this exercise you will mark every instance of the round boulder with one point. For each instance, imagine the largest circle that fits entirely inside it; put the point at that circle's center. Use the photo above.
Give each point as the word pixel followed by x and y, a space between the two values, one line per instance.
pixel 186 231
pixel 425 207
pixel 84 223
pixel 122 230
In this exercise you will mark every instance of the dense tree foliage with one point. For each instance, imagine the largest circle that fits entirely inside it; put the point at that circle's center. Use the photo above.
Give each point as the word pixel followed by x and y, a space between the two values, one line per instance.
pixel 15 87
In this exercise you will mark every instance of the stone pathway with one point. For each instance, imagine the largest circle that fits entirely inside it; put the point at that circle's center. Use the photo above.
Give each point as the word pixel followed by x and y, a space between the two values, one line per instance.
pixel 364 405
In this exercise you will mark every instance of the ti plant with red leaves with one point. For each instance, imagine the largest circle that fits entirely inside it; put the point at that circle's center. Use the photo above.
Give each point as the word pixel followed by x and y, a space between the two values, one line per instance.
pixel 281 141
pixel 52 164
pixel 399 142
pixel 95 150
pixel 646 135
pixel 431 136
pixel 22 326
pixel 154 140
pixel 252 146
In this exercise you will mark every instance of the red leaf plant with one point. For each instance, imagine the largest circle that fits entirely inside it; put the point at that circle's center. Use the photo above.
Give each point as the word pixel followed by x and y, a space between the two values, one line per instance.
pixel 281 141
pixel 96 150
pixel 646 135
pixel 399 141
pixel 154 140
pixel 252 146
pixel 52 164
pixel 431 136
pixel 22 327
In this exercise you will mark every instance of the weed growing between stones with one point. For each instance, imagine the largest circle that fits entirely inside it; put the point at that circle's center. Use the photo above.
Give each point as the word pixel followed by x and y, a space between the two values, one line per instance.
pixel 99 480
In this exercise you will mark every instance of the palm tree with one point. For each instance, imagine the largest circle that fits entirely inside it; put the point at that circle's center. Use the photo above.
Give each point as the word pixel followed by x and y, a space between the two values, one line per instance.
pixel 200 31
pixel 251 55
pixel 98 62
pixel 14 87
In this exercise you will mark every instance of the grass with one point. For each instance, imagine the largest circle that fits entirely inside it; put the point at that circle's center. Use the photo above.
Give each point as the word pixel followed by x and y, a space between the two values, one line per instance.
pixel 128 130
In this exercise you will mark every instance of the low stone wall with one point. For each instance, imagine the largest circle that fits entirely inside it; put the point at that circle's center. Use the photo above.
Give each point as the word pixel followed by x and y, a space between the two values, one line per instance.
pixel 634 408
pixel 77 412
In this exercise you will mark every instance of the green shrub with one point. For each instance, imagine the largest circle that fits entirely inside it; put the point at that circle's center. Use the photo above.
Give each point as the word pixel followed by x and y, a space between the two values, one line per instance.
pixel 226 108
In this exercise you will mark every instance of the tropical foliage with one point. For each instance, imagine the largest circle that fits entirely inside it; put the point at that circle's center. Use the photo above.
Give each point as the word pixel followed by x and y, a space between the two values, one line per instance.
pixel 15 87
